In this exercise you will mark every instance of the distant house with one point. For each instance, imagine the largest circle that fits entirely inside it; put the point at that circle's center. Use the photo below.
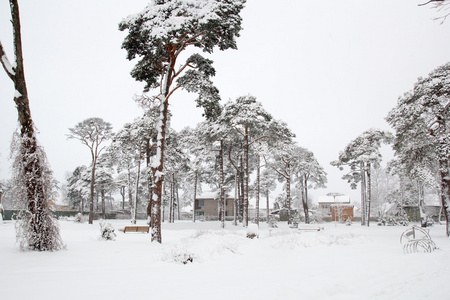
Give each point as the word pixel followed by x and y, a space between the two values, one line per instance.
pixel 342 212
pixel 325 202
pixel 208 206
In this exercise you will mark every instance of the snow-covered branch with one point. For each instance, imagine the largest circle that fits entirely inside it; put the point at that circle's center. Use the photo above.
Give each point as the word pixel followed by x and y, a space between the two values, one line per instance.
pixel 7 66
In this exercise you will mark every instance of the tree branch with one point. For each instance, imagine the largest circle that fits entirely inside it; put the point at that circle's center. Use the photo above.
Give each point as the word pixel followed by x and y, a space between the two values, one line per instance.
pixel 423 4
pixel 6 64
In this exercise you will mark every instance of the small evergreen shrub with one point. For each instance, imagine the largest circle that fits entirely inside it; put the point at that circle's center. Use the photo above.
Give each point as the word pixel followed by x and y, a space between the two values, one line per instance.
pixel 272 222
pixel 107 231
pixel 80 218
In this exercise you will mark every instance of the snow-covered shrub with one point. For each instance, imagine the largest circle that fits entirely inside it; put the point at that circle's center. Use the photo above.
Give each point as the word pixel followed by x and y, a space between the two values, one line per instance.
pixel 252 231
pixel 107 231
pixel 295 220
pixel 80 218
pixel 316 216
pixel 272 222
pixel 180 254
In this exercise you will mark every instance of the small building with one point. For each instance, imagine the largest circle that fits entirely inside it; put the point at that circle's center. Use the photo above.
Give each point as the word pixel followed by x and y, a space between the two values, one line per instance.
pixel 325 202
pixel 341 212
pixel 208 206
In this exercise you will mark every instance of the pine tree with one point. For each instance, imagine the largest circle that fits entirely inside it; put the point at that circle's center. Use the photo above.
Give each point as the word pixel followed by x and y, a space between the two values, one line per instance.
pixel 37 229
pixel 92 132
pixel 158 35
pixel 361 155
pixel 422 136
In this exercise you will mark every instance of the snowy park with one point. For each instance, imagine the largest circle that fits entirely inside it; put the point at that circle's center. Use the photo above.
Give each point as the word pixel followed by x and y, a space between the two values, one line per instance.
pixel 321 128
pixel 338 262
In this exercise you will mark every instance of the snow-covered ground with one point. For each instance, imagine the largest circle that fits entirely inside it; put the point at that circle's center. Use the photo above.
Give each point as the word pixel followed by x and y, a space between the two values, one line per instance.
pixel 340 262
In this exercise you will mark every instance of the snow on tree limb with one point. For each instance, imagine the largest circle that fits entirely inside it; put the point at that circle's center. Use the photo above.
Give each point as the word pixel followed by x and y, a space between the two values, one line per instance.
pixel 7 66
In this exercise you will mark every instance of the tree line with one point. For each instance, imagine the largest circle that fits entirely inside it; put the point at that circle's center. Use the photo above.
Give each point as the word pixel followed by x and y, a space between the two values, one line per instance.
pixel 221 152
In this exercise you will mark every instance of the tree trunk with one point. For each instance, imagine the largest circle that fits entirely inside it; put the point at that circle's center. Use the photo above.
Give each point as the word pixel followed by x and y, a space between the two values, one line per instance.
pixel 222 179
pixel 122 193
pixel 36 202
pixel 178 200
pixel 305 199
pixel 91 200
pixel 258 181
pixel 149 182
pixel 246 170
pixel 267 203
pixel 103 204
pixel 363 195
pixel 195 194
pixel 236 198
pixel 130 194
pixel 288 197
pixel 241 190
pixel 136 196
pixel 158 172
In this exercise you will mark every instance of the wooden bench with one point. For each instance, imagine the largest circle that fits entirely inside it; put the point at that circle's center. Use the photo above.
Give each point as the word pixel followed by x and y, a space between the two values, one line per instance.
pixel 136 228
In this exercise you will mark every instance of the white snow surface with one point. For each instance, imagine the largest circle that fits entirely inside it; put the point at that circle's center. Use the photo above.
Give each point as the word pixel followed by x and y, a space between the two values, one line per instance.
pixel 340 262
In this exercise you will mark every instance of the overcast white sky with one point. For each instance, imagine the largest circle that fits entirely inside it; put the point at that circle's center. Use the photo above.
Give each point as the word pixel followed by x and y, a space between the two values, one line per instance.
pixel 330 69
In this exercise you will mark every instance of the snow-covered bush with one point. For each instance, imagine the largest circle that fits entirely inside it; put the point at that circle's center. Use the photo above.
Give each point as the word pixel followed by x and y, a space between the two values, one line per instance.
pixel 252 231
pixel 295 220
pixel 80 218
pixel 179 254
pixel 316 216
pixel 272 222
pixel 107 231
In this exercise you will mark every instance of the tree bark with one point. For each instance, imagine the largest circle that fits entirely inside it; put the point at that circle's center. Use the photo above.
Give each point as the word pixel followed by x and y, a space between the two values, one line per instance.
pixel 158 173
pixel 246 170
pixel 305 199
pixel 149 183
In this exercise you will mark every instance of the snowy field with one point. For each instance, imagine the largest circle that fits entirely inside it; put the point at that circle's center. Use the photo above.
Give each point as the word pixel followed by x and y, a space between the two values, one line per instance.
pixel 340 262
